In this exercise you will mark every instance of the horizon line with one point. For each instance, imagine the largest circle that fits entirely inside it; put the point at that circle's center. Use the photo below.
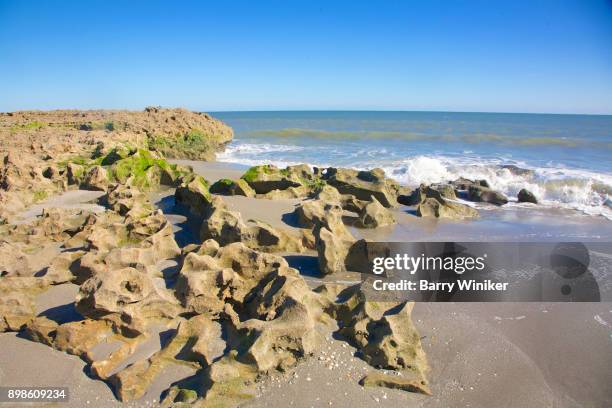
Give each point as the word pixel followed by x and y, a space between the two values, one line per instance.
pixel 213 111
pixel 402 110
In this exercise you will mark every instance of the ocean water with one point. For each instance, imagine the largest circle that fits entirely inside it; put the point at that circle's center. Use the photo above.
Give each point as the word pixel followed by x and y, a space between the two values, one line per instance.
pixel 569 155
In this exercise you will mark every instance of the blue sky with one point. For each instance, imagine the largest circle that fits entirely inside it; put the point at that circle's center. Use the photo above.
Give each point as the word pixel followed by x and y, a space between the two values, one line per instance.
pixel 504 56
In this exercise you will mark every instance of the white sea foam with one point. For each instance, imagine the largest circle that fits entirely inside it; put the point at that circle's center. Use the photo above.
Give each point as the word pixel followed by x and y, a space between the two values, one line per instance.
pixel 582 190
pixel 234 150
pixel 568 188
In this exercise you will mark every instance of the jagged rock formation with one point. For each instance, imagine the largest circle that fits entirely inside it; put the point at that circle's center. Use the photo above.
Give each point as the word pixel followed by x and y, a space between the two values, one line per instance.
pixel 374 215
pixel 435 202
pixel 364 184
pixel 235 311
pixel 44 153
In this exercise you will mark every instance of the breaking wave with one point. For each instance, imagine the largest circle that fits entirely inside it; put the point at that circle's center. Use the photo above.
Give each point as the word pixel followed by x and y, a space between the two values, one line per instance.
pixel 582 190
pixel 558 187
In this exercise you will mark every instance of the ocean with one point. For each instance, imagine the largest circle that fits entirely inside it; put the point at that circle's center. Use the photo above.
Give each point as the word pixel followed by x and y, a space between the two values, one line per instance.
pixel 568 155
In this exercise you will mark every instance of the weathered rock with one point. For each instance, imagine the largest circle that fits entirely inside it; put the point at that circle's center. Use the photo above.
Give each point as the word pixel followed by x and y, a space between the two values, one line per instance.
pixel 278 343
pixel 60 269
pixel 225 226
pixel 364 184
pixel 394 343
pixel 311 212
pixel 13 262
pixel 350 203
pixel 95 179
pixel 41 330
pixel 383 332
pixel 74 173
pixel 127 298
pixel 206 283
pixel 485 194
pixel 266 178
pixel 445 190
pixel 526 196
pixel 205 339
pixel 127 200
pixel 375 215
pixel 193 193
pixel 435 201
pixel 16 310
pixel 437 191
pixel 430 207
pixel 232 187
pixel 410 199
pixel 464 184
pixel 331 251
pixel 328 194
pixel 60 223
pixel 228 381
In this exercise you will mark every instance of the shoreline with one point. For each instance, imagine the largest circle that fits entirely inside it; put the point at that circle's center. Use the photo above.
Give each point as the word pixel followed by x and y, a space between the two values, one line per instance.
pixel 507 223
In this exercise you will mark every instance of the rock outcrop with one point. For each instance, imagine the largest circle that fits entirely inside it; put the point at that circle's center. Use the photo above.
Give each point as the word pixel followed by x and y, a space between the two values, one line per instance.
pixel 267 178
pixel 232 187
pixel 227 226
pixel 526 196
pixel 363 184
pixel 432 201
pixel 193 193
pixel 487 195
pixel 375 215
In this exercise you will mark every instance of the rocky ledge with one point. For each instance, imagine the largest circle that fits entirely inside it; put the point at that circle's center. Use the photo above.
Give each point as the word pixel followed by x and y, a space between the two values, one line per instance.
pixel 44 153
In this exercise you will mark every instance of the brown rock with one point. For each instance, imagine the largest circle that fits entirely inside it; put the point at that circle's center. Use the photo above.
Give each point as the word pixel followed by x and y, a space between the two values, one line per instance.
pixel 364 184
pixel 95 179
pixel 431 207
pixel 374 215
pixel 331 251
pixel 232 187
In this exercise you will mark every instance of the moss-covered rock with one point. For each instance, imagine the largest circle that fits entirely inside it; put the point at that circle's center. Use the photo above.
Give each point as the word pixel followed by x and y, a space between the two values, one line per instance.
pixel 193 145
pixel 193 193
pixel 140 168
pixel 266 178
pixel 232 187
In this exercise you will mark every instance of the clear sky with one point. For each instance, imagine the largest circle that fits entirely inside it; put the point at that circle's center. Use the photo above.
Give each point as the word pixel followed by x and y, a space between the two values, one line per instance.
pixel 503 56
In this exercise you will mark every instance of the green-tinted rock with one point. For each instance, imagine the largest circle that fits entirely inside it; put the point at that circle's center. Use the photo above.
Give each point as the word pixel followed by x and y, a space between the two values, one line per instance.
pixel 193 193
pixel 266 178
pixel 231 187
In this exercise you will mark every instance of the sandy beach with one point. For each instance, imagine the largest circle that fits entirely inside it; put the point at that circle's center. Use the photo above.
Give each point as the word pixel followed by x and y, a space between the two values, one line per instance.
pixel 553 354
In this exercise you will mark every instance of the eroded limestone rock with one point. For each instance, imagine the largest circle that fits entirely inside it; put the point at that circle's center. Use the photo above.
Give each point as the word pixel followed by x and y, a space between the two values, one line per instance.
pixel 375 215
pixel 364 184
pixel 232 187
